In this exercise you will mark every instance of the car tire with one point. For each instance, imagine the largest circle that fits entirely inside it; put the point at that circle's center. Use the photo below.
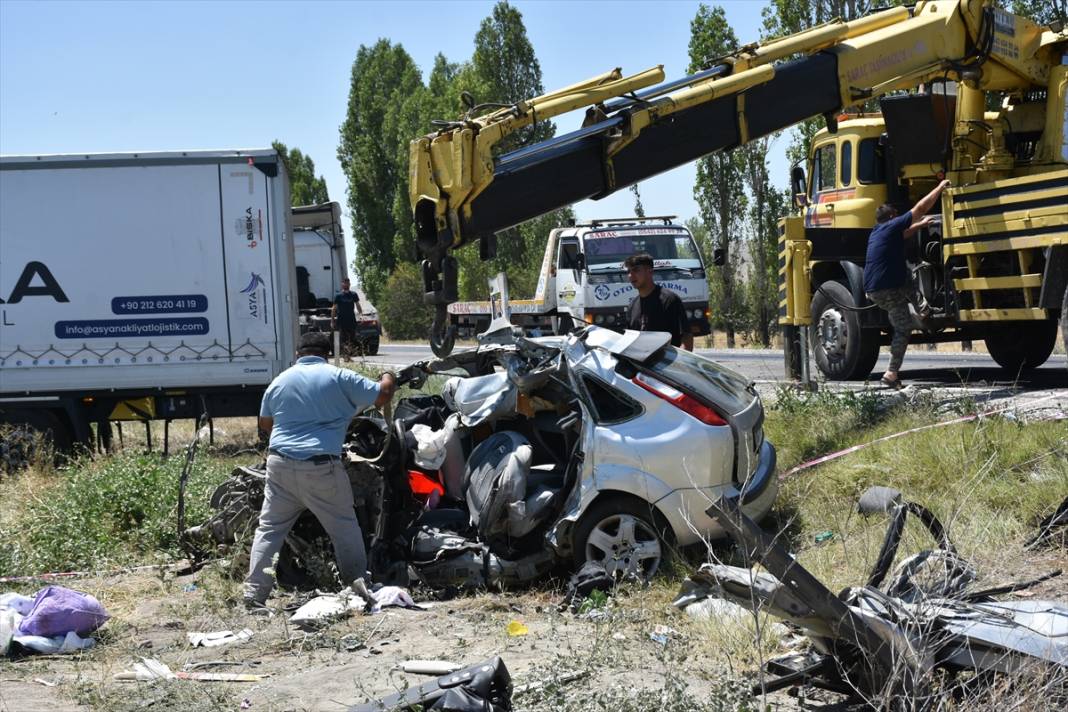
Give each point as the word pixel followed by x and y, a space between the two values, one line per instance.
pixel 843 350
pixel 604 534
pixel 1022 347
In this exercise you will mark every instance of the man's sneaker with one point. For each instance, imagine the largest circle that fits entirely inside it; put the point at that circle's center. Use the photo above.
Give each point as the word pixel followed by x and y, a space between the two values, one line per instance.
pixel 256 608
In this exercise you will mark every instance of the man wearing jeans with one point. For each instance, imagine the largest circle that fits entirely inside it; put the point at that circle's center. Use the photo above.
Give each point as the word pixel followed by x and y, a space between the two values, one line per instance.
pixel 307 411
pixel 886 278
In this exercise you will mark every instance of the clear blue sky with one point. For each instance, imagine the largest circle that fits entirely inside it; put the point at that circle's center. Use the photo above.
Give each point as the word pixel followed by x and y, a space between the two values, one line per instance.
pixel 134 76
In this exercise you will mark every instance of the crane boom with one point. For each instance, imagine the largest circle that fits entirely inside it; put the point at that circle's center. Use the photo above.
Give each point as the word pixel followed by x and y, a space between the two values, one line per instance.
pixel 462 190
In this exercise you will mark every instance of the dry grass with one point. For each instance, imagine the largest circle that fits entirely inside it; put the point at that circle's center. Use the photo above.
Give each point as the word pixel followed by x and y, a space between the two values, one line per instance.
pixel 989 481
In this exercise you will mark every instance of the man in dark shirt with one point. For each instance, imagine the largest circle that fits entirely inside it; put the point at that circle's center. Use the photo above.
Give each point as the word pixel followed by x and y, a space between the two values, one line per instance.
pixel 886 278
pixel 343 313
pixel 655 308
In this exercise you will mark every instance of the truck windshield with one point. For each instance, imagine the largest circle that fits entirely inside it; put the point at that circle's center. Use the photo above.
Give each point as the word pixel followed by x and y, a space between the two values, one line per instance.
pixel 611 247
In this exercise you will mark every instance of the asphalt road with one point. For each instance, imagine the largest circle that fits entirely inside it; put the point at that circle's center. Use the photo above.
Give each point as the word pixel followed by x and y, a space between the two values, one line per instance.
pixel 921 367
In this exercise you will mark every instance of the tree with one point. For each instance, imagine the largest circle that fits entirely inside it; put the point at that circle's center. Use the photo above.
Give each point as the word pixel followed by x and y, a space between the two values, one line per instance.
pixel 639 209
pixel 505 70
pixel 763 235
pixel 304 187
pixel 403 314
pixel 1042 11
pixel 719 189
pixel 373 155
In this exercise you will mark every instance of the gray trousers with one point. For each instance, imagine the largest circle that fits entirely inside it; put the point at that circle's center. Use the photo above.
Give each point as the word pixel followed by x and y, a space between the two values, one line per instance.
pixel 896 304
pixel 292 487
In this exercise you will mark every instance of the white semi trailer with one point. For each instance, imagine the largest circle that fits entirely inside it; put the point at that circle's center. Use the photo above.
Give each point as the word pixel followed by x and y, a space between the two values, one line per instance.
pixel 142 286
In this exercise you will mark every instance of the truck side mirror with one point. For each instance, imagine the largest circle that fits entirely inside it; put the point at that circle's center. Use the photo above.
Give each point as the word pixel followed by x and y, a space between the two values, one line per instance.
pixel 580 262
pixel 797 186
pixel 719 257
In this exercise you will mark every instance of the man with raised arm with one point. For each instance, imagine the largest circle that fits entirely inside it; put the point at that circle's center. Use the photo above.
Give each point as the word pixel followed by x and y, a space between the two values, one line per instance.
pixel 886 277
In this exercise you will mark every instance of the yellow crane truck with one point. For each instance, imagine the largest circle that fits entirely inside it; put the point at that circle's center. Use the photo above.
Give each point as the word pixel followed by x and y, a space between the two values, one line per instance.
pixel 967 91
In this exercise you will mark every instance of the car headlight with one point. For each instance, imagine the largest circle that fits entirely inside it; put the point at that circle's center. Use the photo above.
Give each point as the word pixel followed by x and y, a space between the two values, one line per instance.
pixel 611 319
pixel 599 319
pixel 697 313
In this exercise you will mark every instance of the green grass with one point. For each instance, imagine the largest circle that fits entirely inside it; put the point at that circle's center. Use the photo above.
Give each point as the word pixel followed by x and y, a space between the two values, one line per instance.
pixel 988 480
pixel 94 513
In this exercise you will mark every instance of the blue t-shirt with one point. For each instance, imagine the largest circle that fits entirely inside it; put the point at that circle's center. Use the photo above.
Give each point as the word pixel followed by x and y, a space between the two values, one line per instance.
pixel 312 404
pixel 884 266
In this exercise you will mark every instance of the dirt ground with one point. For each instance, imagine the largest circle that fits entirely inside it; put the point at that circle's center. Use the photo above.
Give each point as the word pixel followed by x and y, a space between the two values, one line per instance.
pixel 357 658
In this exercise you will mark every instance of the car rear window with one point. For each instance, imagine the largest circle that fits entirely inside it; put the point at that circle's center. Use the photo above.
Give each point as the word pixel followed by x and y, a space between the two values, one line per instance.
pixel 705 378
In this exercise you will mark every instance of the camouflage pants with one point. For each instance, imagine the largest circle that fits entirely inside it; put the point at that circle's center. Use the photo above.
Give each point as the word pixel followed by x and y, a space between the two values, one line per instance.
pixel 895 302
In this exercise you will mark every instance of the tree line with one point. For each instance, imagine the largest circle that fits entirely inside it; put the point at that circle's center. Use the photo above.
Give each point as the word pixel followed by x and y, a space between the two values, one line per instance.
pixel 389 104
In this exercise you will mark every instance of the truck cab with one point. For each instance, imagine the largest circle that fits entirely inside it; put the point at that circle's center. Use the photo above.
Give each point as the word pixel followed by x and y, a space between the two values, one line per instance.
pixel 590 281
pixel 583 279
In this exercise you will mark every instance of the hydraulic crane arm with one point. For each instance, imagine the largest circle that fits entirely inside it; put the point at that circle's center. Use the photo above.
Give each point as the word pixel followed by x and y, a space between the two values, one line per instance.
pixel 461 190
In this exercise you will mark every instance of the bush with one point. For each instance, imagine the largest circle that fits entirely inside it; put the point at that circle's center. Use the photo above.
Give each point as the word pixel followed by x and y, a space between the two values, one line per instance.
pixel 112 512
pixel 402 311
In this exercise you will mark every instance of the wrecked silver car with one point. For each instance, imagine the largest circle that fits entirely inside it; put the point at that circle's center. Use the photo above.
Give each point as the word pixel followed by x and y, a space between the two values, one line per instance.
pixel 597 446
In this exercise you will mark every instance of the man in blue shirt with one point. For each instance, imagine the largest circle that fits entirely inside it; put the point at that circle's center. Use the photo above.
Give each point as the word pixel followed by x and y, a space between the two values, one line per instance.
pixel 886 278
pixel 307 410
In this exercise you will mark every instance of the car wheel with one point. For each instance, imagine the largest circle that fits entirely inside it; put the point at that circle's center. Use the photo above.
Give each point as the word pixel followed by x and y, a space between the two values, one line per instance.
pixel 629 538
pixel 1023 346
pixel 842 349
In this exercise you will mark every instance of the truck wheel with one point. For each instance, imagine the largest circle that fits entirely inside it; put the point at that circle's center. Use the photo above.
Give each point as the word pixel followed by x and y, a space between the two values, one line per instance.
pixel 842 349
pixel 627 536
pixel 371 347
pixel 51 426
pixel 563 324
pixel 1022 347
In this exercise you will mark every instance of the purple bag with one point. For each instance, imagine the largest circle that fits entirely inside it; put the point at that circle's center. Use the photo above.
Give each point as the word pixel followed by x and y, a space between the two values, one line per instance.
pixel 58 611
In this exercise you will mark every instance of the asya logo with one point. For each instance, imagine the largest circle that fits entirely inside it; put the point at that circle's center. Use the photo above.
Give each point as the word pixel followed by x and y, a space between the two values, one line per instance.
pixel 251 227
pixel 252 283
pixel 601 292
pixel 256 294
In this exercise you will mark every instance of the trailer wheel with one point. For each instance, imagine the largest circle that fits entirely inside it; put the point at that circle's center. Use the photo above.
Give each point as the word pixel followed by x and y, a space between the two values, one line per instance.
pixel 52 427
pixel 842 349
pixel 1022 347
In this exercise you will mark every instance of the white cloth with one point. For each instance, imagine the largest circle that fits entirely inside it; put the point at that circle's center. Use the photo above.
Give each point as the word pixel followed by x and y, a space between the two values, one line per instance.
pixel 16 602
pixel 214 640
pixel 393 596
pixel 13 608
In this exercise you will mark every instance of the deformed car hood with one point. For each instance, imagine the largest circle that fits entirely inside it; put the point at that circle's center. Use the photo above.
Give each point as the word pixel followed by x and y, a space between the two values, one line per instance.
pixel 636 345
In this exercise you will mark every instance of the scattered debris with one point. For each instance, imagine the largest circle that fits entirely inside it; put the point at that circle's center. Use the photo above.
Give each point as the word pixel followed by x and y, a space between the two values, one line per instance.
pixel 150 669
pixel 663 635
pixel 485 687
pixel 517 628
pixel 56 620
pixel 430 667
pixel 219 638
pixel 323 610
pixel 1052 527
pixel 894 641
pixel 561 679
pixel 591 577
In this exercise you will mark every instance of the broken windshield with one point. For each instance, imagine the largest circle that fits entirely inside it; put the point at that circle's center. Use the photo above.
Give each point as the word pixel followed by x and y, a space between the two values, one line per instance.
pixel 610 247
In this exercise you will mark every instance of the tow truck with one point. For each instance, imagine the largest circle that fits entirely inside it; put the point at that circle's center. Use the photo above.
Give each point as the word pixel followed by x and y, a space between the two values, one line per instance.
pixel 583 280
pixel 967 91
